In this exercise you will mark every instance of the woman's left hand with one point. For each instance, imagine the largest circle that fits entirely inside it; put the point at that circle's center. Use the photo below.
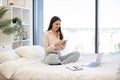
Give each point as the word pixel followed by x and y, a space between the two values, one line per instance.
pixel 64 42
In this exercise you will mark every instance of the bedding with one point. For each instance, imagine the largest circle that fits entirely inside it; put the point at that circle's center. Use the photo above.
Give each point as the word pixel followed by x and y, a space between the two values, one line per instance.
pixel 8 55
pixel 26 69
pixel 30 52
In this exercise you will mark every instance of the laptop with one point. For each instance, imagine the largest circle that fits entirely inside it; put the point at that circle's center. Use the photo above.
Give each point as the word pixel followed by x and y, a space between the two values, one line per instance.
pixel 96 63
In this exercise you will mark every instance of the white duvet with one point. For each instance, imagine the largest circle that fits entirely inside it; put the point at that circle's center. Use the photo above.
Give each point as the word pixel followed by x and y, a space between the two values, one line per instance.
pixel 24 69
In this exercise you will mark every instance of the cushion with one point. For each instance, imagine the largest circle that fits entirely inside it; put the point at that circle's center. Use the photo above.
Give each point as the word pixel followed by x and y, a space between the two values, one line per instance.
pixel 40 50
pixel 30 52
pixel 8 55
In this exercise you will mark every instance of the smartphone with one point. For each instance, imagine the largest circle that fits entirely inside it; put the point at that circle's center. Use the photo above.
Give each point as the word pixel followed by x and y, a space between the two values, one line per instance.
pixel 64 41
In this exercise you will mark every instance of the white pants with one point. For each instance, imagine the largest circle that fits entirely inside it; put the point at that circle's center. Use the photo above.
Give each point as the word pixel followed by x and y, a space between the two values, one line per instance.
pixel 52 58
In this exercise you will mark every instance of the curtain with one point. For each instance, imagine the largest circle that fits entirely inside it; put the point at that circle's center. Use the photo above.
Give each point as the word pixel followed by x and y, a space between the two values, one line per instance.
pixel 37 22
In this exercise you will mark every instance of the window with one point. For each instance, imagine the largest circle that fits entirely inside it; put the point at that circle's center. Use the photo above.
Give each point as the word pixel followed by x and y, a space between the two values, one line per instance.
pixel 0 2
pixel 109 25
pixel 78 22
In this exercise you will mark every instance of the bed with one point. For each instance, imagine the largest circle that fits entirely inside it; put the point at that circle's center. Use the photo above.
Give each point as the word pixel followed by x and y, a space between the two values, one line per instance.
pixel 29 66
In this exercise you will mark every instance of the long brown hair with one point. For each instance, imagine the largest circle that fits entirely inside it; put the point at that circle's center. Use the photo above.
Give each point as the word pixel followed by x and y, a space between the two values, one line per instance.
pixel 53 19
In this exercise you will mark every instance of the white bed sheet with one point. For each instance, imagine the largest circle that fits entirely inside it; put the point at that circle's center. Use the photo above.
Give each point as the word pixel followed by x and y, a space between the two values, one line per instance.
pixel 23 69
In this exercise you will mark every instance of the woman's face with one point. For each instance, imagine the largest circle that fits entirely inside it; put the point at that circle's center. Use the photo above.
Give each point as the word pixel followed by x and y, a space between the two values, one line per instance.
pixel 56 25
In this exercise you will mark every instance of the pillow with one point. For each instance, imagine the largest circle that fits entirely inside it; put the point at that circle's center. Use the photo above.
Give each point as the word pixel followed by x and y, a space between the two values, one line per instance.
pixel 40 50
pixel 8 55
pixel 30 52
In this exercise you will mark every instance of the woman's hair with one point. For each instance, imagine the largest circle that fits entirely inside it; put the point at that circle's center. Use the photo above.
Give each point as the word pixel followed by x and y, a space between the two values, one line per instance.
pixel 53 19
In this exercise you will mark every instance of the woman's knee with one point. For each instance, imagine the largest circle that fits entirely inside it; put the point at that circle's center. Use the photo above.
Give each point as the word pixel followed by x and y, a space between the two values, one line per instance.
pixel 51 59
pixel 76 54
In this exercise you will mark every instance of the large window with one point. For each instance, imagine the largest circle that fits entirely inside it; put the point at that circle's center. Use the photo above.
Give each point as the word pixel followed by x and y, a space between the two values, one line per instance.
pixel 78 22
pixel 109 26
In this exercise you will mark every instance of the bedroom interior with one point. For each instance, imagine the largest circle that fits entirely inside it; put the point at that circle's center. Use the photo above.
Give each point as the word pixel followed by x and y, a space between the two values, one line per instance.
pixel 93 28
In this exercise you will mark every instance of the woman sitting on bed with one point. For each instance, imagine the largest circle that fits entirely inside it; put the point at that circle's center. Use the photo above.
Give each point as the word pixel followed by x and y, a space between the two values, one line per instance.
pixel 54 43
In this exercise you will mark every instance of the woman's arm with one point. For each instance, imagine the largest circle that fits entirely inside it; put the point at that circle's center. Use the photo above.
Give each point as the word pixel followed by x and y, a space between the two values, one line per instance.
pixel 47 46
pixel 56 45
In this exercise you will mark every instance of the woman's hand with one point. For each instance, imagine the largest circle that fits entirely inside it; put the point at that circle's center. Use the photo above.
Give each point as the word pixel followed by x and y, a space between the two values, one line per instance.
pixel 61 43
pixel 64 42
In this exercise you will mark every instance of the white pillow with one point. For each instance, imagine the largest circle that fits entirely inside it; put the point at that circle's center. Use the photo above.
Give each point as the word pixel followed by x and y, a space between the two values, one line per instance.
pixel 8 55
pixel 40 50
pixel 30 52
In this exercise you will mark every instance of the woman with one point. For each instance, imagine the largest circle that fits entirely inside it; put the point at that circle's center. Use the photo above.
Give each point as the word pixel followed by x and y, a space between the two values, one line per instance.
pixel 54 43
